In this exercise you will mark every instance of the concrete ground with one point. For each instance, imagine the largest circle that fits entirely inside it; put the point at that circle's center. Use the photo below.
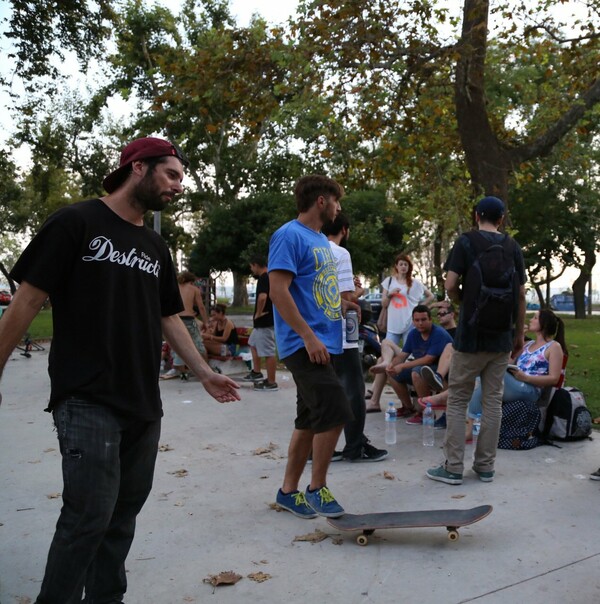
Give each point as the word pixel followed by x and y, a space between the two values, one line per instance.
pixel 217 476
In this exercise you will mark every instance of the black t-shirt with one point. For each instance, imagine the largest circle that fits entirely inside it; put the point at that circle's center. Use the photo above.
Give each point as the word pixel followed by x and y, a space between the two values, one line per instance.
pixel 110 282
pixel 262 287
pixel 460 260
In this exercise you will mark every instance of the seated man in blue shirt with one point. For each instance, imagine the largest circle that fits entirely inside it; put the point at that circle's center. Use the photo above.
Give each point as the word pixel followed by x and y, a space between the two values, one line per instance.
pixel 424 345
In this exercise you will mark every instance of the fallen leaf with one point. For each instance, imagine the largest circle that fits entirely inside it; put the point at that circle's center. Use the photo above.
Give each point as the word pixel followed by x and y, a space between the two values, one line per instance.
pixel 164 448
pixel 226 577
pixel 337 540
pixel 458 496
pixel 49 450
pixel 264 450
pixel 275 507
pixel 260 562
pixel 53 496
pixel 388 475
pixel 179 473
pixel 315 537
pixel 259 577
pixel 263 477
pixel 596 420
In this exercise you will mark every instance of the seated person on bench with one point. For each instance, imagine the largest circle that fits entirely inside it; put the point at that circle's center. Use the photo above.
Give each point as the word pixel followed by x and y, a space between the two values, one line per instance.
pixel 221 331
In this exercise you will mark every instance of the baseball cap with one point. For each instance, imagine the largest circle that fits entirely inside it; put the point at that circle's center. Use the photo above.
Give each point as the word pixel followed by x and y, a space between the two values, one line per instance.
pixel 490 208
pixel 141 148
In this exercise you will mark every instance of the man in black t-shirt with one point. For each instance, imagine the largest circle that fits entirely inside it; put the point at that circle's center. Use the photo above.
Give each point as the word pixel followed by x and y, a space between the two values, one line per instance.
pixel 111 278
pixel 479 352
pixel 262 338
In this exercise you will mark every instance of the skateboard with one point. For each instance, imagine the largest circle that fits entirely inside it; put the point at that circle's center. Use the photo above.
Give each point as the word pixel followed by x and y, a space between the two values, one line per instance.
pixel 369 523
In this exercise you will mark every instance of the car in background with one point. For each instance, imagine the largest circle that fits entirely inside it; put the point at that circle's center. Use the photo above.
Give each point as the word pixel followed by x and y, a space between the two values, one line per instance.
pixel 374 301
pixel 5 297
pixel 251 297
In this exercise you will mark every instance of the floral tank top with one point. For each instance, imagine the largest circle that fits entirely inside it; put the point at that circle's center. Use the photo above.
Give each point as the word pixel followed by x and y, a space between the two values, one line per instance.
pixel 534 362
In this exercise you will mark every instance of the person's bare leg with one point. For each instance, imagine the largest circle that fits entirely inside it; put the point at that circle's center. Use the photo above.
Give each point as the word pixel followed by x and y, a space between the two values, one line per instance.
pixel 444 361
pixel 421 388
pixel 271 363
pixel 256 364
pixel 403 394
pixel 323 445
pixel 298 451
pixel 388 351
pixel 377 390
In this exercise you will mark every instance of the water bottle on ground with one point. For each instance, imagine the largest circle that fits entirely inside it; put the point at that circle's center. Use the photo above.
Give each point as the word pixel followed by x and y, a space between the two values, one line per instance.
pixel 476 430
pixel 428 426
pixel 390 424
pixel 224 350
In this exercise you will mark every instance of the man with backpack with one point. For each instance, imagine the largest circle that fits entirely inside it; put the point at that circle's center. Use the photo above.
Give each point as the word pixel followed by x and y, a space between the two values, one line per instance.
pixel 486 275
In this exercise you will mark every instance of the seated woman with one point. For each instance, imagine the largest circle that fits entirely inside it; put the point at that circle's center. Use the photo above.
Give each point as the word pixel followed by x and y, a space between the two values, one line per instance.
pixel 221 331
pixel 539 364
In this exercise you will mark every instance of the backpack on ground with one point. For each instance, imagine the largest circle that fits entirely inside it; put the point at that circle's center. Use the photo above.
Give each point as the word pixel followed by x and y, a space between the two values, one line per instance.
pixel 519 427
pixel 491 285
pixel 567 416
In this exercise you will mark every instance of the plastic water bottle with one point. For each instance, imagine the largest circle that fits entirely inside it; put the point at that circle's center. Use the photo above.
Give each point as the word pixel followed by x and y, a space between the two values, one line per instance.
pixel 390 424
pixel 476 430
pixel 428 426
pixel 224 350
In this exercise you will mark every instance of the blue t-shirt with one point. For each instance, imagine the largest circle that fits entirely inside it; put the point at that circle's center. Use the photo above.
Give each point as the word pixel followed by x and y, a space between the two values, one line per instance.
pixel 433 345
pixel 307 255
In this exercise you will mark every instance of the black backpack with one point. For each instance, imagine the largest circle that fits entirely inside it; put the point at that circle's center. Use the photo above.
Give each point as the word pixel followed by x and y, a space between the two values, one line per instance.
pixel 491 288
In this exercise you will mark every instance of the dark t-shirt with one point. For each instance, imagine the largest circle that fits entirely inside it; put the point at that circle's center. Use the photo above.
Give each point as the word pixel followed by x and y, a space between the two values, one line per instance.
pixel 110 282
pixel 460 260
pixel 262 287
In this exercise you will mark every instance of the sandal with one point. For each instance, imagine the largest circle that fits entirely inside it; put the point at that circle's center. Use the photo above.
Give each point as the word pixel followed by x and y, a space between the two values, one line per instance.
pixel 424 400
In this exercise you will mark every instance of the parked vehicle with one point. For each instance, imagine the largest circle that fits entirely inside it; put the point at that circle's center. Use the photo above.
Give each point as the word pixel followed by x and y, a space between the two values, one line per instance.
pixel 5 297
pixel 374 300
pixel 565 302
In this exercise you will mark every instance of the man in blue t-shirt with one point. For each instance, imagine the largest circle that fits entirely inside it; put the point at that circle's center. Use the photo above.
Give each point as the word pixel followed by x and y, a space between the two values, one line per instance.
pixel 308 329
pixel 423 347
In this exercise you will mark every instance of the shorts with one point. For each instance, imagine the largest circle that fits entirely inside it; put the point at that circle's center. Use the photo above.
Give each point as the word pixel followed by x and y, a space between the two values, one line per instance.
pixel 404 377
pixel 321 402
pixel 192 327
pixel 263 339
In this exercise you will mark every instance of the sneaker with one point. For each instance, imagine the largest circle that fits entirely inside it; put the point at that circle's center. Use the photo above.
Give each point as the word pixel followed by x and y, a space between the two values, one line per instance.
pixel 440 422
pixel 171 374
pixel 487 476
pixel 324 503
pixel 433 378
pixel 369 453
pixel 442 475
pixel 265 385
pixel 253 376
pixel 415 420
pixel 296 503
pixel 337 456
pixel 595 475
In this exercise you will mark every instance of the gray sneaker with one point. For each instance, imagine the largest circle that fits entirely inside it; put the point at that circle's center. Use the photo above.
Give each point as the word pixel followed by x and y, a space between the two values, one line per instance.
pixel 486 476
pixel 595 475
pixel 253 376
pixel 442 475
pixel 264 385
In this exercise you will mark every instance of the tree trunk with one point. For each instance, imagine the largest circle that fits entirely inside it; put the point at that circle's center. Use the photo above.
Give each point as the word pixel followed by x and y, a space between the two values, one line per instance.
pixel 240 293
pixel 437 258
pixel 487 162
pixel 11 283
pixel 579 285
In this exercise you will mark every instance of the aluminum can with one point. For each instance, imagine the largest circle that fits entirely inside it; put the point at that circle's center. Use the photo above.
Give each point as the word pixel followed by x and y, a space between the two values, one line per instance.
pixel 351 326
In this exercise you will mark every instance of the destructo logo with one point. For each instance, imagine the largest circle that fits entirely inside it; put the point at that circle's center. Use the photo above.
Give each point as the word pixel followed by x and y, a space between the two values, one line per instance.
pixel 105 252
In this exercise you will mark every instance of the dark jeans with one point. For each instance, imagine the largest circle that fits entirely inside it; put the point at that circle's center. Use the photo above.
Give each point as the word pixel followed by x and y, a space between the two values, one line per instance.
pixel 108 465
pixel 348 368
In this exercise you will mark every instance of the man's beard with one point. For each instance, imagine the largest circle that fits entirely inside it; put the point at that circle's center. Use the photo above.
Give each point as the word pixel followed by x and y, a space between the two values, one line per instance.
pixel 147 196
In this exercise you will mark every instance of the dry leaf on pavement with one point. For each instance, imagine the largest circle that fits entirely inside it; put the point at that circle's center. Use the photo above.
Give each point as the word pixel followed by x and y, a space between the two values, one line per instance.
pixel 259 577
pixel 312 537
pixel 388 475
pixel 53 496
pixel 179 473
pixel 164 448
pixel 226 577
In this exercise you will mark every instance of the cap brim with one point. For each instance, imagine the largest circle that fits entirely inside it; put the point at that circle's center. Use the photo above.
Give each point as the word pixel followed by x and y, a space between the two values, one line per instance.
pixel 115 179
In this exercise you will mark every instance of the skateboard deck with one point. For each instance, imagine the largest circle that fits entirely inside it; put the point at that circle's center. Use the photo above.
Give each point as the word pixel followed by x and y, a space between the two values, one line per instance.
pixel 369 523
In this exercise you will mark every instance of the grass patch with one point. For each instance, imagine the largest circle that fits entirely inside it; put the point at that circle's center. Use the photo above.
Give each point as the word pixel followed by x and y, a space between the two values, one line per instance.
pixel 583 340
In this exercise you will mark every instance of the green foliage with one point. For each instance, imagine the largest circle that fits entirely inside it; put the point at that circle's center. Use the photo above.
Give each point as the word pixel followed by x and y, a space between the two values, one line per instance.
pixel 232 234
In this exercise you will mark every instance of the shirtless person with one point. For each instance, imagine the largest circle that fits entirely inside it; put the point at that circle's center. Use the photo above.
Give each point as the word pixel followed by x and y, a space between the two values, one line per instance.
pixel 191 296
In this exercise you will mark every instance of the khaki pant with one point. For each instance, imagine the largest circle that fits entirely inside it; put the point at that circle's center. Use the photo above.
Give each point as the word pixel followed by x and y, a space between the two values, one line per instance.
pixel 464 368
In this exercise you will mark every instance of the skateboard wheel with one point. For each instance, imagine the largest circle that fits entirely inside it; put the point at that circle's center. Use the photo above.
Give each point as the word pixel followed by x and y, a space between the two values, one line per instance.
pixel 453 535
pixel 362 540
